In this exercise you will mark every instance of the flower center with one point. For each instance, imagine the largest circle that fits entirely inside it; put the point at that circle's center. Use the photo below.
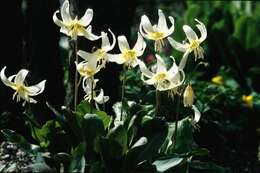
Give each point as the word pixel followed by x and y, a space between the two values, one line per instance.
pixel 87 71
pixel 160 77
pixel 156 35
pixel 101 54
pixel 129 55
pixel 194 44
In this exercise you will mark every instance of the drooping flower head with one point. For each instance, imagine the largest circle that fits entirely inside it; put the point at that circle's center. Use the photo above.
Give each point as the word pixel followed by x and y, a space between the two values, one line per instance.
pixel 194 42
pixel 89 67
pixel 89 86
pixel 17 82
pixel 75 27
pixel 106 46
pixel 162 79
pixel 129 56
pixel 188 96
pixel 156 32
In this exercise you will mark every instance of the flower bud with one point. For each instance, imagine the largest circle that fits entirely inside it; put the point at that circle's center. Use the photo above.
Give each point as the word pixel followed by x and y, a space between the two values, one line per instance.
pixel 188 96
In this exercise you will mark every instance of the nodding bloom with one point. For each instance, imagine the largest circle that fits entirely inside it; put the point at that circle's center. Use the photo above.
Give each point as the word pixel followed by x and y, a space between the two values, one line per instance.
pixel 162 79
pixel 89 67
pixel 188 96
pixel 156 32
pixel 129 56
pixel 75 27
pixel 194 42
pixel 17 82
pixel 89 85
pixel 101 53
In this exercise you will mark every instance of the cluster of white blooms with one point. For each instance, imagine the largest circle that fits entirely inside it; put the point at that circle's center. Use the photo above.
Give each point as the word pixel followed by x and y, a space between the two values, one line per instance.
pixel 160 77
pixel 93 62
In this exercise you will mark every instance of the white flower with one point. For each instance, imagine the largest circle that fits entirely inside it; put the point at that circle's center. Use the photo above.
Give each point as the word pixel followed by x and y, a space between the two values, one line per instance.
pixel 128 56
pixel 75 27
pixel 194 42
pixel 90 66
pixel 17 82
pixel 156 32
pixel 162 79
pixel 101 53
pixel 89 85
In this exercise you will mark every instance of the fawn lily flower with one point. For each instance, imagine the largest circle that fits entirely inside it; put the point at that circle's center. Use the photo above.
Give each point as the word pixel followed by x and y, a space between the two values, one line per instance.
pixel 162 79
pixel 129 56
pixel 156 32
pixel 102 54
pixel 87 86
pixel 17 82
pixel 89 67
pixel 75 27
pixel 188 96
pixel 194 42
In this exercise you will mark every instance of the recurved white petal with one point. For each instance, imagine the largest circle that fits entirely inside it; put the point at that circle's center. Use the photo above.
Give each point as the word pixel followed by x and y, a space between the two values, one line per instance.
pixel 5 80
pixel 36 89
pixel 116 58
pixel 174 68
pixel 162 24
pixel 171 29
pixel 123 43
pixel 56 20
pixel 105 45
pixel 114 40
pixel 20 77
pixel 85 55
pixel 87 33
pixel 203 30
pixel 178 46
pixel 151 81
pixel 161 67
pixel 146 24
pixel 144 69
pixel 140 44
pixel 183 62
pixel 100 99
pixel 197 113
pixel 65 14
pixel 191 35
pixel 86 18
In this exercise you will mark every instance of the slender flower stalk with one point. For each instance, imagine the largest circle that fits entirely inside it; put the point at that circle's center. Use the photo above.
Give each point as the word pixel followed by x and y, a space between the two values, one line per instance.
pixel 158 103
pixel 176 120
pixel 76 76
pixel 123 92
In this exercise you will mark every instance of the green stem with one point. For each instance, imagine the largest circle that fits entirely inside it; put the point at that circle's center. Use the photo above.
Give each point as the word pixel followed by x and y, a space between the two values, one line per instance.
pixel 76 77
pixel 123 92
pixel 157 99
pixel 30 121
pixel 92 95
pixel 176 121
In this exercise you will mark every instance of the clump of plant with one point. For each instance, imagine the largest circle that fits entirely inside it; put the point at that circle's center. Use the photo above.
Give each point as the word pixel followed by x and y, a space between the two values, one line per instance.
pixel 139 136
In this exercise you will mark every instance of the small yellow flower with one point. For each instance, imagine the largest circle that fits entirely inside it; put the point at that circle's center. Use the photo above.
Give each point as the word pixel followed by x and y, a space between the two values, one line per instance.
pixel 188 96
pixel 217 80
pixel 248 100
